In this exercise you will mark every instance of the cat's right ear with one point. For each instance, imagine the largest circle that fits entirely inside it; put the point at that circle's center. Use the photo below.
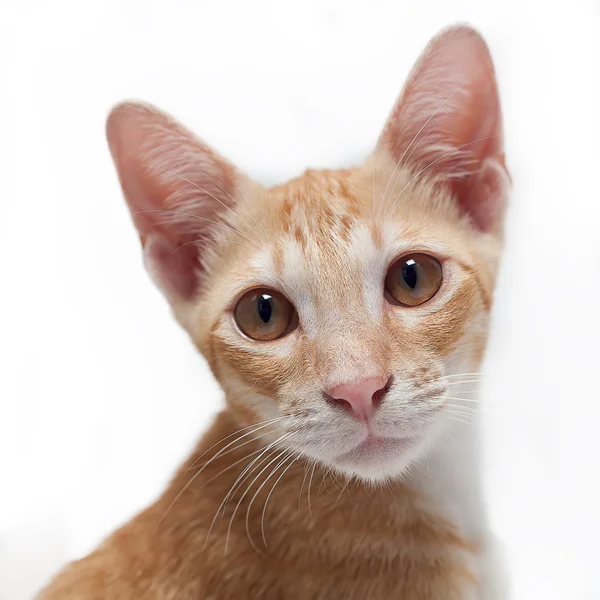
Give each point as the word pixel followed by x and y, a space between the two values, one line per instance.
pixel 447 125
pixel 178 191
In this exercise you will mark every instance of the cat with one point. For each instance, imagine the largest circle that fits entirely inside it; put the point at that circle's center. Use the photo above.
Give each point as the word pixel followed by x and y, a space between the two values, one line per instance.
pixel 345 314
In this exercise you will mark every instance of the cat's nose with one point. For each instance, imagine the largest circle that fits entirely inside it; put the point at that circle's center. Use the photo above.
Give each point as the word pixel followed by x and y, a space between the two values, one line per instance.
pixel 360 398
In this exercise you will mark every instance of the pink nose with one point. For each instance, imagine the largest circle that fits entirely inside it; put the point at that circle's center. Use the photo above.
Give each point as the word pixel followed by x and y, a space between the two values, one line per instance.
pixel 361 398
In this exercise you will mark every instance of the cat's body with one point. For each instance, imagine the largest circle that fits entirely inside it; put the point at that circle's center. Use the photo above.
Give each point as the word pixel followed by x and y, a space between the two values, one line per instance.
pixel 344 314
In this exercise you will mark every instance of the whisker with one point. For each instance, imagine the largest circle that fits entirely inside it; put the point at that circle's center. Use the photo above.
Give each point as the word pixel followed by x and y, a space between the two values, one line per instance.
pixel 237 506
pixel 306 470
pixel 475 390
pixel 449 440
pixel 418 466
pixel 474 400
pixel 469 409
pixel 221 506
pixel 391 490
pixel 461 413
pixel 247 520
pixel 461 421
pixel 264 511
pixel 345 486
pixel 237 462
pixel 449 451
pixel 309 486
pixel 249 469
pixel 235 448
pixel 254 427
pixel 334 479
pixel 323 482
pixel 254 464
pixel 199 472
pixel 460 375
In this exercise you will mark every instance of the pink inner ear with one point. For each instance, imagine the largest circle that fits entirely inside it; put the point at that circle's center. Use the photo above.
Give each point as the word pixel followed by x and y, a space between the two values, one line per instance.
pixel 177 190
pixel 447 124
pixel 482 196
pixel 174 268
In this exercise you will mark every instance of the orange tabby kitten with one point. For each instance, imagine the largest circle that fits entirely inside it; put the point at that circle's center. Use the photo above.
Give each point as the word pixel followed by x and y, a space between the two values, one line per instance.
pixel 344 314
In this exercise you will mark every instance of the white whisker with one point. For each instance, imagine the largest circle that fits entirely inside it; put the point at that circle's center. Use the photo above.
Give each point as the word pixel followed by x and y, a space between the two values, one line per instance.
pixel 460 375
pixel 264 511
pixel 237 462
pixel 309 486
pixel 208 462
pixel 237 506
pixel 344 487
pixel 449 451
pixel 473 400
pixel 249 469
pixel 461 381
pixel 225 499
pixel 255 427
pixel 306 470
pixel 461 421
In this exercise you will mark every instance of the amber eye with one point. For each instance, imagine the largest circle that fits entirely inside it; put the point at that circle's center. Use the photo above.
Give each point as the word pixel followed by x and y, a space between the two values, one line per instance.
pixel 414 279
pixel 264 315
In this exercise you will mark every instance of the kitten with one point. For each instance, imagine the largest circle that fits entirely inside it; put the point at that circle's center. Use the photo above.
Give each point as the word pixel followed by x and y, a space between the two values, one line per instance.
pixel 345 314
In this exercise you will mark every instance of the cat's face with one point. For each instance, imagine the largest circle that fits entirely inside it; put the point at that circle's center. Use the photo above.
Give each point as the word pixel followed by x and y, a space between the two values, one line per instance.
pixel 338 307
pixel 300 322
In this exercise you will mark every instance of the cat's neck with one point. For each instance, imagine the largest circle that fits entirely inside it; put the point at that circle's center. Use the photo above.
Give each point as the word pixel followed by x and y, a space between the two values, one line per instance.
pixel 450 475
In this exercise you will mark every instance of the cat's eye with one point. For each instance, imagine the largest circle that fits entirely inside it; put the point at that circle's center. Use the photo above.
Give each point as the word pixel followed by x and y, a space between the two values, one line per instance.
pixel 413 279
pixel 265 315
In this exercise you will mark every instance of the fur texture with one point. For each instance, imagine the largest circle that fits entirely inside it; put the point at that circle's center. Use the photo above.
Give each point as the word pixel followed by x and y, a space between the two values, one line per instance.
pixel 281 499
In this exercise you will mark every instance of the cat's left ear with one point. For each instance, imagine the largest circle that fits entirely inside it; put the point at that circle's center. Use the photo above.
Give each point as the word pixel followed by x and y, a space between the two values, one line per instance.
pixel 180 192
pixel 447 125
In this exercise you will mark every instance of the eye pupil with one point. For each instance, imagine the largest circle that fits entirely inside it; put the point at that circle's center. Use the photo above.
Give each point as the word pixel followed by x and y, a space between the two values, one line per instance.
pixel 265 309
pixel 265 315
pixel 409 274
pixel 413 279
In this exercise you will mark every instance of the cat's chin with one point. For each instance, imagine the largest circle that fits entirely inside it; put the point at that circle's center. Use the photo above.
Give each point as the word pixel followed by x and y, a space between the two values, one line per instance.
pixel 378 459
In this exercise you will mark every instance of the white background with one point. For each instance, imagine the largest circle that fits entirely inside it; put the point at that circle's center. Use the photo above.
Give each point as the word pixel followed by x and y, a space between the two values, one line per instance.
pixel 101 394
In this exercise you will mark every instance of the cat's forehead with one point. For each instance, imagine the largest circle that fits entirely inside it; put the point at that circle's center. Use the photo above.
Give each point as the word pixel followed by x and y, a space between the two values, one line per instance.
pixel 317 203
pixel 329 232
pixel 320 220
pixel 324 241
pixel 330 217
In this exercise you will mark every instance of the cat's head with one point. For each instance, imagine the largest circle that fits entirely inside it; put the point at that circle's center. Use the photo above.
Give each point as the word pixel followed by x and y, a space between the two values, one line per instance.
pixel 336 307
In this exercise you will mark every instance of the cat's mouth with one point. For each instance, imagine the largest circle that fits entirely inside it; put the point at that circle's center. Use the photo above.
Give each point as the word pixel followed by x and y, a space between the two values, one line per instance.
pixel 375 448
